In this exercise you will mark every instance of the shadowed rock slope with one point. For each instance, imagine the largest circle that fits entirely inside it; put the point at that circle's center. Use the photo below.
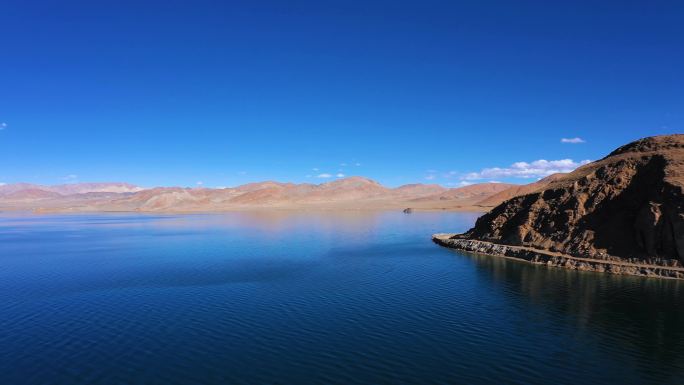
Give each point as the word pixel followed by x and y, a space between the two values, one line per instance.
pixel 627 206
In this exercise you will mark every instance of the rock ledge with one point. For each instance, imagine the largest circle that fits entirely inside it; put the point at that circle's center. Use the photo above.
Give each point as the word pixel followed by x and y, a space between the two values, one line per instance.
pixel 548 258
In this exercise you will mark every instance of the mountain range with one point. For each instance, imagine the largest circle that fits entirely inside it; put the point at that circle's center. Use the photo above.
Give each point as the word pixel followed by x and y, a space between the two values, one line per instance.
pixel 346 193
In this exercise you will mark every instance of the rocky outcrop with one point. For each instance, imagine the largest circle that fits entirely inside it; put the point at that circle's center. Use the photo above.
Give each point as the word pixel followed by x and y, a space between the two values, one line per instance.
pixel 627 207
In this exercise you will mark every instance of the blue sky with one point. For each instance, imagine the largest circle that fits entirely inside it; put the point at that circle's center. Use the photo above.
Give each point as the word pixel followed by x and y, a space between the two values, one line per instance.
pixel 177 92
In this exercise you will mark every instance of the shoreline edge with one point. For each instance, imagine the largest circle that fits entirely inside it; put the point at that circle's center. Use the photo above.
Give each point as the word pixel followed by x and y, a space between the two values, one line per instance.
pixel 549 258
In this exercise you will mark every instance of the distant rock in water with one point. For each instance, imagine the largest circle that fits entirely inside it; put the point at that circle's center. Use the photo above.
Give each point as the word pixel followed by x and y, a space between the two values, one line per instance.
pixel 408 210
pixel 627 206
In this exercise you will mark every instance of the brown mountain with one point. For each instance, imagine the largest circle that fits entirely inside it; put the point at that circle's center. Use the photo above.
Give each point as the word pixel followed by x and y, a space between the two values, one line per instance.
pixel 83 188
pixel 71 188
pixel 472 195
pixel 478 191
pixel 418 189
pixel 262 185
pixel 516 190
pixel 30 194
pixel 346 193
pixel 628 206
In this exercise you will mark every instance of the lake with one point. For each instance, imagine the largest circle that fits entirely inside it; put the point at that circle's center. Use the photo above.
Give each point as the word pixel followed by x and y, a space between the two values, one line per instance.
pixel 304 298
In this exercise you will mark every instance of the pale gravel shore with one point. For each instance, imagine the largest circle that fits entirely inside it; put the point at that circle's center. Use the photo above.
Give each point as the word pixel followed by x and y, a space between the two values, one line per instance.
pixel 548 258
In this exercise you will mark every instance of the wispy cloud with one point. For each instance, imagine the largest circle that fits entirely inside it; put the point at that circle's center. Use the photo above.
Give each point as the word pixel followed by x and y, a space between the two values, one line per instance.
pixel 575 140
pixel 462 183
pixel 2 184
pixel 340 175
pixel 431 174
pixel 199 183
pixel 537 169
pixel 242 172
pixel 315 169
pixel 357 164
pixel 70 177
pixel 3 125
pixel 325 175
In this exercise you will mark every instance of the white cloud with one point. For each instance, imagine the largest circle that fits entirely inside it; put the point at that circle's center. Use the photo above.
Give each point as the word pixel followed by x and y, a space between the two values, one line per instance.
pixel 537 169
pixel 464 183
pixel 70 177
pixel 357 164
pixel 324 175
pixel 199 183
pixel 494 181
pixel 2 184
pixel 3 125
pixel 315 169
pixel 220 187
pixel 340 175
pixel 431 174
pixel 575 140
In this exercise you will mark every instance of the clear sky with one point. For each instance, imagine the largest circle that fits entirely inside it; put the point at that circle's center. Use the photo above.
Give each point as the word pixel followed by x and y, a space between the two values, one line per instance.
pixel 227 92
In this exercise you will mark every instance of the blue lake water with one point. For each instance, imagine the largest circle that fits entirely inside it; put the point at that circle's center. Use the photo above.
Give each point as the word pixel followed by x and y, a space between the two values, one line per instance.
pixel 303 298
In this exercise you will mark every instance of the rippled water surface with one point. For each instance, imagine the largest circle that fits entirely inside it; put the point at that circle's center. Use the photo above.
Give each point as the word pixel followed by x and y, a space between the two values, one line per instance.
pixel 313 298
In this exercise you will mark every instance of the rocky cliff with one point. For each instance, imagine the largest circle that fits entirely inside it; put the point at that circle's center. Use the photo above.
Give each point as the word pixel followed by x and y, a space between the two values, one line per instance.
pixel 628 206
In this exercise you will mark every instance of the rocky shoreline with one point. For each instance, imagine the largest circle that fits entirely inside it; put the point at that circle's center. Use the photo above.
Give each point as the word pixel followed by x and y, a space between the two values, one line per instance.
pixel 542 257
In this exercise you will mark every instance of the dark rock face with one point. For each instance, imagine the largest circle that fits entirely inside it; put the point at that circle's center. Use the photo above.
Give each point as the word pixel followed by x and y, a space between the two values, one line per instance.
pixel 627 206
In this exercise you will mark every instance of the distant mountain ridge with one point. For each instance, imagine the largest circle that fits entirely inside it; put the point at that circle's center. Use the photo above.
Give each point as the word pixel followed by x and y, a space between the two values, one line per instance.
pixel 70 188
pixel 345 193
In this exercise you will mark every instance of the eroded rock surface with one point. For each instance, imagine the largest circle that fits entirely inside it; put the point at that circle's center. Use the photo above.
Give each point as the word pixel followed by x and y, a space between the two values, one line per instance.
pixel 628 206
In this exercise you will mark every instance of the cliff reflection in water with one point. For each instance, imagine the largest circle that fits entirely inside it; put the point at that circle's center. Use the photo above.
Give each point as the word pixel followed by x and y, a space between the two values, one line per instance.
pixel 644 315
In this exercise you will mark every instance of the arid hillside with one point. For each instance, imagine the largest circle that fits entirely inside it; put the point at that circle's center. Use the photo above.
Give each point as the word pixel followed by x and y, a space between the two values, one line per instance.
pixel 346 193
pixel 628 205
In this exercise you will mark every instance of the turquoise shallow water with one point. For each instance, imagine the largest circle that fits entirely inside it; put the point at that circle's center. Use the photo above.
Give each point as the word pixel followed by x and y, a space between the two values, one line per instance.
pixel 308 298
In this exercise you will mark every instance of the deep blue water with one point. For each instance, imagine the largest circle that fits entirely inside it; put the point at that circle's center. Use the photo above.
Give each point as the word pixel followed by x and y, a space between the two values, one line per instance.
pixel 307 298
